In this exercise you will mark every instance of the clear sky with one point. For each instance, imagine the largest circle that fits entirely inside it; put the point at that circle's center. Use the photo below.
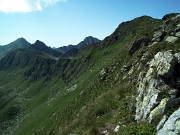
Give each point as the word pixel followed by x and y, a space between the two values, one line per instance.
pixel 63 22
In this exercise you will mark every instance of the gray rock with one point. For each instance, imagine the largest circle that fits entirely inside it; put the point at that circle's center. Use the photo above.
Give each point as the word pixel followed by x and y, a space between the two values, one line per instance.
pixel 173 93
pixel 137 44
pixel 148 97
pixel 160 109
pixel 126 68
pixel 116 129
pixel 164 64
pixel 177 29
pixel 150 102
pixel 171 39
pixel 177 55
pixel 172 125
pixel 177 34
pixel 159 35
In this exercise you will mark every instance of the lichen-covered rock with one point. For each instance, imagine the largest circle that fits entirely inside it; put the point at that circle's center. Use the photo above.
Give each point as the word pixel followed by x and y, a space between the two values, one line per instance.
pixel 148 96
pixel 164 63
pixel 171 39
pixel 160 109
pixel 172 125
pixel 155 95
pixel 159 35
pixel 177 34
pixel 125 68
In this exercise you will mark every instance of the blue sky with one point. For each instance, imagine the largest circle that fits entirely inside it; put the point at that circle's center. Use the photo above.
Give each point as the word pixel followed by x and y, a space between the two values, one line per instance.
pixel 63 22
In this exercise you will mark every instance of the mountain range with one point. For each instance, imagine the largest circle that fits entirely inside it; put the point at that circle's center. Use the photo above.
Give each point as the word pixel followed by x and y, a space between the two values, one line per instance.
pixel 87 41
pixel 21 43
pixel 127 83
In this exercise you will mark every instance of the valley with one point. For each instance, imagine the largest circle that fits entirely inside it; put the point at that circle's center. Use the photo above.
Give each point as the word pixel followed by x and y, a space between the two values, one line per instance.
pixel 126 84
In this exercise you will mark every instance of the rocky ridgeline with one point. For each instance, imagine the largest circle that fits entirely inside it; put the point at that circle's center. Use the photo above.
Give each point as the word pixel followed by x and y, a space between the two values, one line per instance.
pixel 168 31
pixel 158 89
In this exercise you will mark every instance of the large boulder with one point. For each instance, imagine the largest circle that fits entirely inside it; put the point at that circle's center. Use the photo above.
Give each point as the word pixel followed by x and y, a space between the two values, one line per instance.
pixel 171 39
pixel 172 125
pixel 164 63
pixel 159 35
pixel 137 44
pixel 156 94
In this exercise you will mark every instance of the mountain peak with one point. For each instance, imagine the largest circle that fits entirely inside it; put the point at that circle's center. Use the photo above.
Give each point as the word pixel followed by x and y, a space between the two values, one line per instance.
pixel 18 43
pixel 39 42
pixel 41 46
pixel 87 41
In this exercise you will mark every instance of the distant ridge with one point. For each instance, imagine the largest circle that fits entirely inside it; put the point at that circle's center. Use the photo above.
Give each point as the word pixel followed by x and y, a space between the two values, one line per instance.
pixel 87 41
pixel 19 43
pixel 40 46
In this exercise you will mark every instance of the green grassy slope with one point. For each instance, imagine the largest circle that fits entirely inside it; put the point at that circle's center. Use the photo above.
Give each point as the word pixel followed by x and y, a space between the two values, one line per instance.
pixel 86 95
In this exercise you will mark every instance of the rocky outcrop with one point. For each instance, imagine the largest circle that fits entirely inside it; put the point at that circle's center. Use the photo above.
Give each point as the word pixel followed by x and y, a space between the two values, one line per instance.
pixel 159 35
pixel 158 90
pixel 137 44
pixel 171 39
pixel 169 30
pixel 172 125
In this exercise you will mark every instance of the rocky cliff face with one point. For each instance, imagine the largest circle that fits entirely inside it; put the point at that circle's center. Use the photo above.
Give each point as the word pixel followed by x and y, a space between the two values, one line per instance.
pixel 158 92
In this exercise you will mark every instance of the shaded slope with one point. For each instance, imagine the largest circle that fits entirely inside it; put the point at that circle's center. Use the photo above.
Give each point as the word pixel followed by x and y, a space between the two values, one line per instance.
pixel 40 46
pixel 70 53
pixel 19 43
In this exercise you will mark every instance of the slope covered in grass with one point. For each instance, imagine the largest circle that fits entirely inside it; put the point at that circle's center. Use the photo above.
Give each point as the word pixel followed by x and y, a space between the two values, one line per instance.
pixel 89 94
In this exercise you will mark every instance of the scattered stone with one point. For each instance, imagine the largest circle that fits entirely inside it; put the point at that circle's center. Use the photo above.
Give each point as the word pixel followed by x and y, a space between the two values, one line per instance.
pixel 172 125
pixel 103 72
pixel 125 68
pixel 116 129
pixel 72 88
pixel 171 39
pixel 105 132
pixel 160 109
pixel 177 29
pixel 131 71
pixel 177 34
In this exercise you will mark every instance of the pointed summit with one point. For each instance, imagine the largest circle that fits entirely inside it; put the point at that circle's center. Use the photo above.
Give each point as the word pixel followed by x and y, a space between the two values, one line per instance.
pixel 87 41
pixel 40 46
pixel 18 43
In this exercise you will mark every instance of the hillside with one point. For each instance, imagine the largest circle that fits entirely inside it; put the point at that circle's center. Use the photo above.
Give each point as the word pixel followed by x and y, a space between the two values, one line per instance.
pixel 126 84
pixel 87 41
pixel 19 43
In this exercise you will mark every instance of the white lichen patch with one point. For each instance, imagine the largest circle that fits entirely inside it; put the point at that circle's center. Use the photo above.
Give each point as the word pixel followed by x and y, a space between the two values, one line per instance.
pixel 72 88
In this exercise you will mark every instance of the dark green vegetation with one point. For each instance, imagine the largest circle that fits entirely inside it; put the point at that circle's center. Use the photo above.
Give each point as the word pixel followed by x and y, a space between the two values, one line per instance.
pixel 43 92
